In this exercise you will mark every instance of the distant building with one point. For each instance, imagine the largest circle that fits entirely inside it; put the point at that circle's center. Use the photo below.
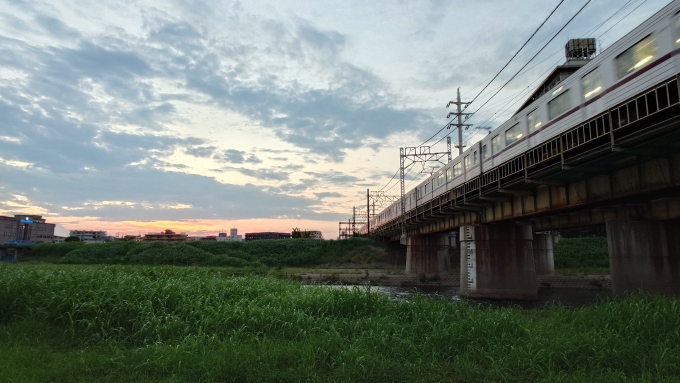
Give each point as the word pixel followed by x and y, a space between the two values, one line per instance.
pixel 211 238
pixel 266 235
pixel 131 238
pixel 58 239
pixel 26 227
pixel 315 234
pixel 9 227
pixel 166 236
pixel 90 236
pixel 233 236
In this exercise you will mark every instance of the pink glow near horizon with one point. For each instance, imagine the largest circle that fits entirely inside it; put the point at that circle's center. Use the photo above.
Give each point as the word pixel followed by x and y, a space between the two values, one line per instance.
pixel 196 227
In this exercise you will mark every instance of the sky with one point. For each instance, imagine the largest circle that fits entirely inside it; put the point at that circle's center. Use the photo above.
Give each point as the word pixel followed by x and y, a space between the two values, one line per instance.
pixel 139 116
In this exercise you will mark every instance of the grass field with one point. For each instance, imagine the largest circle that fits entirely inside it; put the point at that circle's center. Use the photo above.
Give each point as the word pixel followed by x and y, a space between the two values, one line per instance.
pixel 63 323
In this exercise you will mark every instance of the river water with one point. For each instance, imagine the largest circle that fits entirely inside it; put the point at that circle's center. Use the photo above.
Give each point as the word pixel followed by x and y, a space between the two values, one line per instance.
pixel 572 298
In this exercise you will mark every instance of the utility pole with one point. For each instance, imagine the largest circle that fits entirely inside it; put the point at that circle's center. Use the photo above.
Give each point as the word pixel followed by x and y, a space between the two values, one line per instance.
pixel 354 220
pixel 459 114
pixel 448 147
pixel 368 213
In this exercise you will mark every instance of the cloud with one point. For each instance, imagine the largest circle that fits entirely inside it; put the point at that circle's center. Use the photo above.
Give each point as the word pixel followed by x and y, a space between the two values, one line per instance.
pixel 200 151
pixel 96 111
pixel 57 28
pixel 234 156
pixel 338 110
pixel 333 177
pixel 328 195
pixel 143 193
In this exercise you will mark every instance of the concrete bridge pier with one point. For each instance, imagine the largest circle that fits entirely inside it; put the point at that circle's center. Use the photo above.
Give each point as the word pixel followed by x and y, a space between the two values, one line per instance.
pixel 644 255
pixel 427 254
pixel 543 253
pixel 497 261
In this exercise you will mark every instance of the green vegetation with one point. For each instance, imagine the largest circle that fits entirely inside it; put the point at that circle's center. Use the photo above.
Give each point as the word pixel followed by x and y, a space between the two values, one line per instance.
pixel 579 255
pixel 257 254
pixel 123 323
pixel 586 252
pixel 582 271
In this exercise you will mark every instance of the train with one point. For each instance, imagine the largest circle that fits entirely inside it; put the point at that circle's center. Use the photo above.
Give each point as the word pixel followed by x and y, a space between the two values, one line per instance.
pixel 645 57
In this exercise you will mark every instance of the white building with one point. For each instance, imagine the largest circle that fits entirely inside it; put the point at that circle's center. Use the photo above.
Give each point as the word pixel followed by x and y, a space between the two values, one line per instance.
pixel 233 236
pixel 90 236
pixel 314 234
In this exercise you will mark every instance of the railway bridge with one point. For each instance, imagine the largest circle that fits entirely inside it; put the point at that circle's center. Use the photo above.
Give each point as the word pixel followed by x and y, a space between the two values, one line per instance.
pixel 620 168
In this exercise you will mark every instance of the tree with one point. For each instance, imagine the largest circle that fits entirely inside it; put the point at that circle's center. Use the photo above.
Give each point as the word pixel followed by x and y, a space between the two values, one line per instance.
pixel 296 233
pixel 72 239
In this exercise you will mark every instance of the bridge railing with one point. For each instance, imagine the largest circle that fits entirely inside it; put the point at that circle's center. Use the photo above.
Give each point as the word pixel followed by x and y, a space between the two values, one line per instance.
pixel 603 129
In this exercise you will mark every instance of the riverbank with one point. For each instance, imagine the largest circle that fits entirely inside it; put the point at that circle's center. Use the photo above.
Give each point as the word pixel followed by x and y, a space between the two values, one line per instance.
pixel 160 323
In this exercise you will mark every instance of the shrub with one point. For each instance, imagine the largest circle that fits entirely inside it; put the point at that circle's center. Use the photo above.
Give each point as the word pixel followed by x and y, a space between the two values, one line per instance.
pixel 272 253
pixel 581 252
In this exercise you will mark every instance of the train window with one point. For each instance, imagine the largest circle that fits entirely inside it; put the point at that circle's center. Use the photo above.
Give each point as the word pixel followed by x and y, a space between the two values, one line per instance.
pixel 449 173
pixel 457 170
pixel 513 134
pixel 677 28
pixel 427 188
pixel 635 57
pixel 592 84
pixel 485 151
pixel 533 120
pixel 441 180
pixel 496 145
pixel 468 163
pixel 559 105
pixel 475 158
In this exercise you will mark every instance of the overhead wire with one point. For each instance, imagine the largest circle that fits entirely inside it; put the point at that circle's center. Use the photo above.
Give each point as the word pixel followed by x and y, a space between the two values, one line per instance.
pixel 523 71
pixel 592 30
pixel 620 20
pixel 499 89
pixel 531 59
pixel 516 53
pixel 388 182
pixel 499 72
pixel 516 74
pixel 528 89
pixel 507 106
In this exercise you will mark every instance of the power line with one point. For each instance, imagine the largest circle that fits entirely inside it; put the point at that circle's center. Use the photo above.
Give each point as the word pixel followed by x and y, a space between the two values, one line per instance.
pixel 537 53
pixel 448 123
pixel 623 18
pixel 516 53
pixel 388 182
pixel 520 49
pixel 610 17
pixel 397 183
pixel 523 71
pixel 625 5
pixel 515 95
pixel 439 131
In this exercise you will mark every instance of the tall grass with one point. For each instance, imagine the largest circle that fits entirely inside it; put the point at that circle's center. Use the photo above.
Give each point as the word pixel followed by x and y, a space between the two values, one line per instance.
pixel 189 324
pixel 269 253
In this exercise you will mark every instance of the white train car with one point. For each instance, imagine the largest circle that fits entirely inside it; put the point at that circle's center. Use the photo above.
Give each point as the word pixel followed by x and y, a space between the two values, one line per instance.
pixel 646 56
